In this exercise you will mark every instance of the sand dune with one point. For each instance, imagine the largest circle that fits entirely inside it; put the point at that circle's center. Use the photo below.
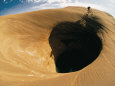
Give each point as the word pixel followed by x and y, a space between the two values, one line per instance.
pixel 25 52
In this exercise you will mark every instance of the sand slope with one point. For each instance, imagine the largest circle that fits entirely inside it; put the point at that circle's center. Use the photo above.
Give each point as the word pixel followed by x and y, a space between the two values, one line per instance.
pixel 25 51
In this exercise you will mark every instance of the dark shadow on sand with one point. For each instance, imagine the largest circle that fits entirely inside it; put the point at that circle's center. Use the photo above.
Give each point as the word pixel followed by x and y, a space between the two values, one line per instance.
pixel 76 44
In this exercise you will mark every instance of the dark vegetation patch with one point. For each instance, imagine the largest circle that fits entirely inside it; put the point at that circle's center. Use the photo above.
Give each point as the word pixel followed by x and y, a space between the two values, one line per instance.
pixel 76 44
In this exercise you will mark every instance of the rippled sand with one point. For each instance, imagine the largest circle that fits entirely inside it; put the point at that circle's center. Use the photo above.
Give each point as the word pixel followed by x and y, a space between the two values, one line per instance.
pixel 25 58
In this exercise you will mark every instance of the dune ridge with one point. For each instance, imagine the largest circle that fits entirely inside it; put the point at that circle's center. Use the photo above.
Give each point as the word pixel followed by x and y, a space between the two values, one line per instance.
pixel 25 52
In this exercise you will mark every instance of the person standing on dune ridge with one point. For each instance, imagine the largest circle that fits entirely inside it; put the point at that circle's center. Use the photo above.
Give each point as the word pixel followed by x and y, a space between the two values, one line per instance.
pixel 89 11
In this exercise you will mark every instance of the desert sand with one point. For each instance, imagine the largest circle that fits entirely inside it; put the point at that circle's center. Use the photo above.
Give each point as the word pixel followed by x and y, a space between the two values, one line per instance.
pixel 25 52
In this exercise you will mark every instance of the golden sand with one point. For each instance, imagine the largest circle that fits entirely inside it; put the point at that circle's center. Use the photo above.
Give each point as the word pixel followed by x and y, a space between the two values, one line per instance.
pixel 25 51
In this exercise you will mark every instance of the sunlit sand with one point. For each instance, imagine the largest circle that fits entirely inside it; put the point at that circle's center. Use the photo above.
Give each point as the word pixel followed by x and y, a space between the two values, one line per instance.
pixel 26 57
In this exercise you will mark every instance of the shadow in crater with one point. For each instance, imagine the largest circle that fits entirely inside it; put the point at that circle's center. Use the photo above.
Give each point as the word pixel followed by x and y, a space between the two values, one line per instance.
pixel 76 44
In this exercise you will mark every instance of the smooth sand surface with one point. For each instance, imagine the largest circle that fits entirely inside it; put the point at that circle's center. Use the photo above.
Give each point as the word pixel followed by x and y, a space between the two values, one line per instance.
pixel 25 58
